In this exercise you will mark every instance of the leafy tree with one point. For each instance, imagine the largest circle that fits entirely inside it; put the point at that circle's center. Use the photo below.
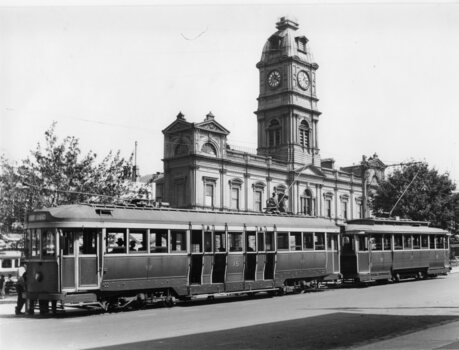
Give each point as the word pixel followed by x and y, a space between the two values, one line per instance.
pixel 422 194
pixel 57 174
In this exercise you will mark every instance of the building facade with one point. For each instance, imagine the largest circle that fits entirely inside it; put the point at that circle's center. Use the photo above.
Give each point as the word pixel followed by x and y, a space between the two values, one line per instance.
pixel 203 171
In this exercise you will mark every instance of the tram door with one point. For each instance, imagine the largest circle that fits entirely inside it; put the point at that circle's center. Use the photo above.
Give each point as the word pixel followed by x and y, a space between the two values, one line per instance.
pixel 79 260
pixel 250 268
pixel 363 254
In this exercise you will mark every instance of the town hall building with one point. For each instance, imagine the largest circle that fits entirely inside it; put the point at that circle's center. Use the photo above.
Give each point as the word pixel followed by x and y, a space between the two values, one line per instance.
pixel 203 171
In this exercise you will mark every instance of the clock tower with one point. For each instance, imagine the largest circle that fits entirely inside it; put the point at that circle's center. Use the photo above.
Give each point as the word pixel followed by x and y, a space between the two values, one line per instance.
pixel 287 111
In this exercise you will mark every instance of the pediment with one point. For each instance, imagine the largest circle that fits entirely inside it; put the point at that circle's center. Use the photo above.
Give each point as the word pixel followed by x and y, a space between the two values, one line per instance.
pixel 177 126
pixel 212 126
pixel 311 170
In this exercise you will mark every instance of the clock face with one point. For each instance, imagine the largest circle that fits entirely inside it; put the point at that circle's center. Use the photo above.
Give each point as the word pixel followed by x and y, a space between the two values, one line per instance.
pixel 274 79
pixel 303 80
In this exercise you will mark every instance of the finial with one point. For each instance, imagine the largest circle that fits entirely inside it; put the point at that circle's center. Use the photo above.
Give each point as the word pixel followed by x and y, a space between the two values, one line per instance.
pixel 181 116
pixel 286 22
pixel 210 116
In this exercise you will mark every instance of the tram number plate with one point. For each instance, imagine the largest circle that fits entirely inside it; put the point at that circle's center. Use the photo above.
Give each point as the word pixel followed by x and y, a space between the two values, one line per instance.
pixel 236 263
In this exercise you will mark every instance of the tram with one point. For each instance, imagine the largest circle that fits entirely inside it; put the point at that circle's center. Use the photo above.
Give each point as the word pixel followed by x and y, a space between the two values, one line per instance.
pixel 379 249
pixel 112 255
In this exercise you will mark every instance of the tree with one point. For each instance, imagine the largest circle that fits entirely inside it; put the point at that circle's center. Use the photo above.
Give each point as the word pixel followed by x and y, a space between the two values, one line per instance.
pixel 428 195
pixel 59 174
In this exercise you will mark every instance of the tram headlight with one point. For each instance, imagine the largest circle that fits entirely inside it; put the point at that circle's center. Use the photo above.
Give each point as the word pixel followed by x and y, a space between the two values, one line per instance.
pixel 38 276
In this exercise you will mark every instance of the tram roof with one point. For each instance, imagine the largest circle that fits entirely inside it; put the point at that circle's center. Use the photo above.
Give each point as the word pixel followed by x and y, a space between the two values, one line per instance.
pixel 392 229
pixel 138 215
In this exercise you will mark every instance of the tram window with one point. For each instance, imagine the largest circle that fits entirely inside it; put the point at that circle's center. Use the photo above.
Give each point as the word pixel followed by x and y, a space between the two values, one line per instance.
pixel 196 241
pixel 251 242
pixel 347 244
pixel 407 242
pixel 432 241
pixel 416 242
pixel 178 241
pixel 137 241
pixel 208 241
pixel 87 243
pixel 261 241
pixel 115 241
pixel 27 244
pixel 440 242
pixel 7 263
pixel 329 241
pixel 446 240
pixel 48 243
pixel 295 240
pixel 282 240
pixel 235 241
pixel 220 242
pixel 270 241
pixel 308 241
pixel 334 238
pixel 319 241
pixel 36 235
pixel 158 241
pixel 386 242
pixel 398 242
pixel 376 243
pixel 424 242
pixel 68 240
pixel 363 243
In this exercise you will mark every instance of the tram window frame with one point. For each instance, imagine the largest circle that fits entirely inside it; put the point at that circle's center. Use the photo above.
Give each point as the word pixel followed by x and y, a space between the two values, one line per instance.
pixel 295 243
pixel 282 241
pixel 87 242
pixel 270 242
pixel 308 241
pixel 7 263
pixel 35 243
pixel 48 247
pixel 119 233
pixel 251 241
pixel 362 243
pixel 377 242
pixel 439 242
pixel 260 241
pixel 398 242
pixel 174 241
pixel 220 242
pixel 407 242
pixel 319 241
pixel 386 242
pixel 158 236
pixel 67 242
pixel 134 235
pixel 424 242
pixel 416 242
pixel 432 241
pixel 235 241
pixel 196 241
pixel 208 248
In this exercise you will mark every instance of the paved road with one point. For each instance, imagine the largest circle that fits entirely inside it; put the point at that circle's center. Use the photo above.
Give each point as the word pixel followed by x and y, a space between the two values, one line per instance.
pixel 341 318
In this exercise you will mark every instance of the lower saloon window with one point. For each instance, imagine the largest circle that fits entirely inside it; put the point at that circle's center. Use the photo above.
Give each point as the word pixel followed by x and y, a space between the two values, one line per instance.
pixel 432 241
pixel 137 241
pixel 158 241
pixel 178 241
pixel 416 242
pixel 424 242
pixel 261 241
pixel 386 242
pixel 196 241
pixel 440 242
pixel 36 235
pixel 319 241
pixel 208 241
pixel 363 243
pixel 376 242
pixel 87 242
pixel 220 241
pixel 282 240
pixel 235 241
pixel 48 243
pixel 115 241
pixel 407 242
pixel 308 241
pixel 251 243
pixel 295 241
pixel 398 242
pixel 270 241
pixel 68 241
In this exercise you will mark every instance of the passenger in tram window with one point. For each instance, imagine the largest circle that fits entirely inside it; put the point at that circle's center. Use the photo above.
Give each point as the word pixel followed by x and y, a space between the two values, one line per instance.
pixel 132 245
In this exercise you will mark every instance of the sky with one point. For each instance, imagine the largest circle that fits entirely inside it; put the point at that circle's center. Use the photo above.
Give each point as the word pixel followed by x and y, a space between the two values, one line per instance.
pixel 114 74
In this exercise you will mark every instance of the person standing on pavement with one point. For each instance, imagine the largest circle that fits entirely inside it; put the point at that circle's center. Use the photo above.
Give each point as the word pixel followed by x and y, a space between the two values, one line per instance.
pixel 20 289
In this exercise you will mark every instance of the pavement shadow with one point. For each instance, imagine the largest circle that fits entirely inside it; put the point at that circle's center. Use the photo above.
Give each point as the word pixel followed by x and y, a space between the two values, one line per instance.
pixel 332 331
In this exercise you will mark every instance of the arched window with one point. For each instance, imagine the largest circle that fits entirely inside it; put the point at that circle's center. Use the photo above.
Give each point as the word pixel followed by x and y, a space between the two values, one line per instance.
pixel 304 134
pixel 274 133
pixel 307 202
pixel 209 149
